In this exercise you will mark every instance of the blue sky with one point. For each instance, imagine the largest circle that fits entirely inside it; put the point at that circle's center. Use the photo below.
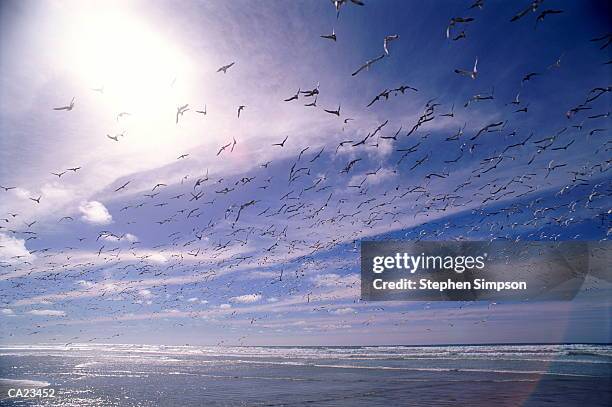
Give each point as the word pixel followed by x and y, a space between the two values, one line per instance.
pixel 108 264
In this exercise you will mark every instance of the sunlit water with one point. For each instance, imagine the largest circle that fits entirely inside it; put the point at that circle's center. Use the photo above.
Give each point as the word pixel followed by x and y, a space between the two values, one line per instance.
pixel 144 375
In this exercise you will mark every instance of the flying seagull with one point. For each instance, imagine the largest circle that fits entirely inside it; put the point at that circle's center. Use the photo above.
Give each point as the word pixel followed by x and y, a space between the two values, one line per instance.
pixel 454 21
pixel 66 108
pixel 339 3
pixel 368 64
pixel 223 148
pixel 532 7
pixel 313 103
pixel 557 63
pixel 180 110
pixel 388 40
pixel 282 144
pixel 331 36
pixel 478 4
pixel 336 112
pixel 294 97
pixel 544 13
pixel 224 68
pixel 120 115
pixel 472 74
pixel 122 186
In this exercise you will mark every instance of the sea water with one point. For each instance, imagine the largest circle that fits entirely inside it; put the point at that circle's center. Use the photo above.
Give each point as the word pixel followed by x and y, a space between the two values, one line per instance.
pixel 151 375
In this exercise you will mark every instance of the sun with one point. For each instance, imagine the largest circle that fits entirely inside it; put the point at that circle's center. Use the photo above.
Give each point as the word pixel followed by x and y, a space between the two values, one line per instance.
pixel 118 54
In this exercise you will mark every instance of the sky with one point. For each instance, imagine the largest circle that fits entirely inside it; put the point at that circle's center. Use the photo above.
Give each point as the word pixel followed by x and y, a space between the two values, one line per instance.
pixel 124 221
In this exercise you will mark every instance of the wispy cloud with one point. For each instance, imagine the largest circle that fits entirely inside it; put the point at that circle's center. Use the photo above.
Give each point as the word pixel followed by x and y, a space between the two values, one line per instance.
pixel 47 313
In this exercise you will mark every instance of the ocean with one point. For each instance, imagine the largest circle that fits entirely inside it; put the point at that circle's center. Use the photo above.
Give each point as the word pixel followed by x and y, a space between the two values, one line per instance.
pixel 150 375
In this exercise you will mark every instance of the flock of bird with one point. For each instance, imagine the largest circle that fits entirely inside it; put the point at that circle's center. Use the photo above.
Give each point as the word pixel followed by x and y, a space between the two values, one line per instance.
pixel 294 212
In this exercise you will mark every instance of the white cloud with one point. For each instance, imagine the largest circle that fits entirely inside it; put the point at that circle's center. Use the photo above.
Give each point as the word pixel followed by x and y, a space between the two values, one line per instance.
pixel 193 299
pixel 272 299
pixel 246 299
pixel 343 311
pixel 146 293
pixel 54 192
pixel 158 258
pixel 11 247
pixel 47 313
pixel 382 175
pixel 7 311
pixel 130 237
pixel 95 212
pixel 225 306
pixel 23 193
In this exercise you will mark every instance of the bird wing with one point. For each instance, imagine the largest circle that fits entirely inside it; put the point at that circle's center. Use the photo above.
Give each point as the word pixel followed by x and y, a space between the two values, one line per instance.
pixel 373 101
pixel 361 68
pixel 387 40
pixel 368 64
pixel 521 14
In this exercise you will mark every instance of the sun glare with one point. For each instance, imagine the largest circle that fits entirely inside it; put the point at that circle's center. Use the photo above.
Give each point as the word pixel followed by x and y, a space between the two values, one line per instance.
pixel 118 55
